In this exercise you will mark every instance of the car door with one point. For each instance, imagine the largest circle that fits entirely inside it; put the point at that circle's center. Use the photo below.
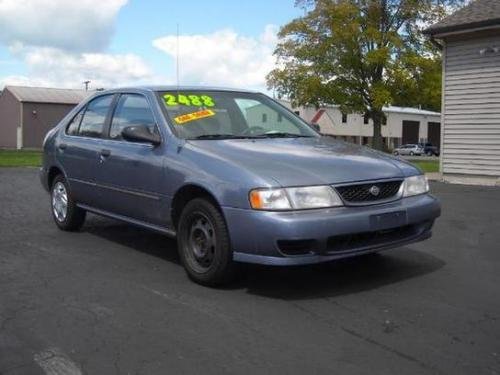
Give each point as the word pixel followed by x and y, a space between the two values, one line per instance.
pixel 130 173
pixel 77 149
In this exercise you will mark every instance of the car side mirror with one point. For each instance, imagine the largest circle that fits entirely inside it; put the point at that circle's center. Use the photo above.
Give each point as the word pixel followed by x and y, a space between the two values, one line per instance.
pixel 140 133
pixel 315 127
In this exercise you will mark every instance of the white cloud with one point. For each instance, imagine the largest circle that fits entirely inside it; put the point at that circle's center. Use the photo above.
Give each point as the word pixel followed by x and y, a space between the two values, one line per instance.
pixel 57 68
pixel 20 80
pixel 223 57
pixel 82 25
pixel 62 43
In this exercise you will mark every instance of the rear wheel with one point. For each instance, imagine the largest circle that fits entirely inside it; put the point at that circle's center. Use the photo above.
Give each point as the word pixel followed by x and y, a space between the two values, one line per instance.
pixel 204 245
pixel 66 214
pixel 430 153
pixel 412 153
pixel 396 153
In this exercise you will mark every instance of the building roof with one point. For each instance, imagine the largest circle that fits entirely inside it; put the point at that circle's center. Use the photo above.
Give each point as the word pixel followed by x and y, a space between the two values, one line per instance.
pixel 391 108
pixel 48 95
pixel 410 110
pixel 479 13
pixel 317 116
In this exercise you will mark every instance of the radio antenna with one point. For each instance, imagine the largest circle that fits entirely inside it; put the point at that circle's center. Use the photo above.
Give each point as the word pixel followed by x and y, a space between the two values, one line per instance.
pixel 177 58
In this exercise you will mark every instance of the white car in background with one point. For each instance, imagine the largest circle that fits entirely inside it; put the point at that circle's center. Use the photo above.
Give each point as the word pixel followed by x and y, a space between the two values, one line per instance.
pixel 409 149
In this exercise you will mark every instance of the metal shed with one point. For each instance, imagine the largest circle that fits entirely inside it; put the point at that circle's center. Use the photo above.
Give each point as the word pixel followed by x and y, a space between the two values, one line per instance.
pixel 28 113
pixel 471 92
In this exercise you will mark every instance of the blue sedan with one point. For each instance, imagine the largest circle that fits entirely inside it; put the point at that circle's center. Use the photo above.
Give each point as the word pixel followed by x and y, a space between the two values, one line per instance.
pixel 234 175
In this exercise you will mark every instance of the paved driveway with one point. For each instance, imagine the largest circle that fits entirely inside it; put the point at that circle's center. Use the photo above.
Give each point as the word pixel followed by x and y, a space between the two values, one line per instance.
pixel 113 299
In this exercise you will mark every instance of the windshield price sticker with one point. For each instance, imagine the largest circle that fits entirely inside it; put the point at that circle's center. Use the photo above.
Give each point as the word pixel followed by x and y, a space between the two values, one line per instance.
pixel 189 100
pixel 188 117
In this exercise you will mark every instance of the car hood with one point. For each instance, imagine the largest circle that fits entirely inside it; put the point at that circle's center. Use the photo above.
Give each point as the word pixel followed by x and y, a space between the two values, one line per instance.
pixel 305 161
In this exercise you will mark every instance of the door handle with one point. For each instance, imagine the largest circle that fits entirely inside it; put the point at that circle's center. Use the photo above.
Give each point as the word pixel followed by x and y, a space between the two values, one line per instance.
pixel 62 146
pixel 105 153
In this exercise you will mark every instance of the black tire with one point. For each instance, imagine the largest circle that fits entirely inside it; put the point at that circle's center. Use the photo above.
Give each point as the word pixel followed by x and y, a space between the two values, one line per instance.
pixel 206 257
pixel 412 153
pixel 74 216
pixel 429 153
pixel 396 153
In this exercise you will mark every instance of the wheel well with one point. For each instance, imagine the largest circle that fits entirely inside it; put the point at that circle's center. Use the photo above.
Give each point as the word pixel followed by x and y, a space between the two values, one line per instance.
pixel 53 173
pixel 186 194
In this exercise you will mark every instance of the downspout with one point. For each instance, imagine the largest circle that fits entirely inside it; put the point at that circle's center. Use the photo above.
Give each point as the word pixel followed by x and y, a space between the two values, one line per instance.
pixel 19 129
pixel 443 88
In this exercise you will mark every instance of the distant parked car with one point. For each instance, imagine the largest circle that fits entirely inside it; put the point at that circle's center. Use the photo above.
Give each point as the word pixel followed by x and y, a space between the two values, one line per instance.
pixel 429 149
pixel 409 149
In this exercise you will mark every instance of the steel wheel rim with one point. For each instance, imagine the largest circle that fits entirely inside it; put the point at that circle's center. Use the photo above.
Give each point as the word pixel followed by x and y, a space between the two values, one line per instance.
pixel 201 243
pixel 60 201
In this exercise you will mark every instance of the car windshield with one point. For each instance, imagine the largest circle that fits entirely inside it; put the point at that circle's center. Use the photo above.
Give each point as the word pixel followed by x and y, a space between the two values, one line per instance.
pixel 213 115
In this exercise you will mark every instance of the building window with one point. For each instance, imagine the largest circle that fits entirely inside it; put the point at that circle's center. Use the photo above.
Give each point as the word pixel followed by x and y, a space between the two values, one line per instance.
pixel 384 120
pixel 264 117
pixel 344 118
pixel 365 119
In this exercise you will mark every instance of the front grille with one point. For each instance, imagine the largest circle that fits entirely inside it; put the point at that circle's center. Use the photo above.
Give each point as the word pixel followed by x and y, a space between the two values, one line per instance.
pixel 363 193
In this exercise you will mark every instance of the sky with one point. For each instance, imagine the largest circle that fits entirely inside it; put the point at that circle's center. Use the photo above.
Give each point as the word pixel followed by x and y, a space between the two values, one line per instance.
pixel 61 43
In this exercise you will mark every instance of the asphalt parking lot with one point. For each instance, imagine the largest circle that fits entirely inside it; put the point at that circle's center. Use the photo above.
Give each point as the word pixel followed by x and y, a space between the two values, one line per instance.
pixel 113 299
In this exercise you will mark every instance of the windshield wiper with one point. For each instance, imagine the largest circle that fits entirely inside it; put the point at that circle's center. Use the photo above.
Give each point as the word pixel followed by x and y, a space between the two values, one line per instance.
pixel 284 135
pixel 241 136
pixel 222 136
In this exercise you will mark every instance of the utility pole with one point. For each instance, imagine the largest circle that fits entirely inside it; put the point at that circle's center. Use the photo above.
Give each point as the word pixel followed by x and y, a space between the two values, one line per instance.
pixel 86 83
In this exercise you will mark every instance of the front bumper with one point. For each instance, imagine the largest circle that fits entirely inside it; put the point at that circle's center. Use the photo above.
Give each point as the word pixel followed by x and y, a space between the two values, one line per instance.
pixel 327 234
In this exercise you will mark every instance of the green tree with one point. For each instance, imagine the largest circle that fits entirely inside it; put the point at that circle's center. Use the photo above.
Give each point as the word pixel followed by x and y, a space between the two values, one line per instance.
pixel 420 85
pixel 361 55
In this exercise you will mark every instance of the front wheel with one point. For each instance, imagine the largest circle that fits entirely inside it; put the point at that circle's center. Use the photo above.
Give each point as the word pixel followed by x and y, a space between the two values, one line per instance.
pixel 65 212
pixel 412 153
pixel 204 244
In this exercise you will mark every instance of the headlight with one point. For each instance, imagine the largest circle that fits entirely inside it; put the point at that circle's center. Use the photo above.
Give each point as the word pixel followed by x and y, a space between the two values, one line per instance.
pixel 299 198
pixel 313 197
pixel 270 199
pixel 415 185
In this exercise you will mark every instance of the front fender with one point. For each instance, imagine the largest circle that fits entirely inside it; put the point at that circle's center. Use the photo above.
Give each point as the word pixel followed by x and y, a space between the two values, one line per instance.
pixel 226 180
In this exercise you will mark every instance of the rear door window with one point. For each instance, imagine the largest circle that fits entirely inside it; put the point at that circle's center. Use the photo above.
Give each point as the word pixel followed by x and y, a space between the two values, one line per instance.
pixel 92 124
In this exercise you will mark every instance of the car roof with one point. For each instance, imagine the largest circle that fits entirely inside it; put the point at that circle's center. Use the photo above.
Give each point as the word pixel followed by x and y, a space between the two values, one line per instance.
pixel 177 88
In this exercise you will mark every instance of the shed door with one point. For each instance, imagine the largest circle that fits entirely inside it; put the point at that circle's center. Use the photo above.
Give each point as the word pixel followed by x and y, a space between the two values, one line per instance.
pixel 434 134
pixel 410 131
